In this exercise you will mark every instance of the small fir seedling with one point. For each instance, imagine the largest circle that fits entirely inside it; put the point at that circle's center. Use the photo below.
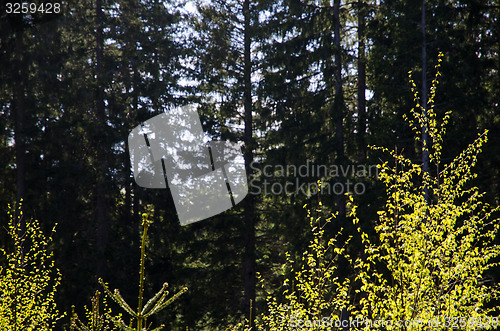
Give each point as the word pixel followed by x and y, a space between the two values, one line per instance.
pixel 157 303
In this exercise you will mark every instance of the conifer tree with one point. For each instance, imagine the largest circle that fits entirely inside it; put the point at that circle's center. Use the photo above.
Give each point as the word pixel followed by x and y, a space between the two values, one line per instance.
pixel 225 64
pixel 154 305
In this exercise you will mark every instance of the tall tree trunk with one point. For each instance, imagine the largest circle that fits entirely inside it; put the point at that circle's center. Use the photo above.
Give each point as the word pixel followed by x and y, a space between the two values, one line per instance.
pixel 249 222
pixel 20 114
pixel 135 102
pixel 100 194
pixel 129 123
pixel 425 136
pixel 361 83
pixel 131 75
pixel 338 104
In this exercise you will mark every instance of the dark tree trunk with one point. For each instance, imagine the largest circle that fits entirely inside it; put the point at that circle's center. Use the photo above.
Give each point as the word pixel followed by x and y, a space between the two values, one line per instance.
pixel 100 193
pixel 249 221
pixel 20 114
pixel 135 102
pixel 361 83
pixel 338 104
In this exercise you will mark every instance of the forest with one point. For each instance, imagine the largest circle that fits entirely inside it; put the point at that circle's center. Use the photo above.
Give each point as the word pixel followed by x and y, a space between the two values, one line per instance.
pixel 369 133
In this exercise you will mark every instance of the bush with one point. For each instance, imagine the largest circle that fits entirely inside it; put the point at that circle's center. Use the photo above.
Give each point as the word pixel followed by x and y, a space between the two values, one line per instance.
pixel 427 267
pixel 312 296
pixel 28 278
pixel 94 320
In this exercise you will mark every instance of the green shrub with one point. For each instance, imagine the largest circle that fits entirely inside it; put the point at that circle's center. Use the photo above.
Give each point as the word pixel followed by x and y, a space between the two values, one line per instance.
pixel 427 267
pixel 312 295
pixel 94 321
pixel 28 278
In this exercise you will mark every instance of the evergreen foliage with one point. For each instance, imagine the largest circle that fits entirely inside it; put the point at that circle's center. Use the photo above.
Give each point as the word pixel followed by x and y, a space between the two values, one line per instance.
pixel 265 73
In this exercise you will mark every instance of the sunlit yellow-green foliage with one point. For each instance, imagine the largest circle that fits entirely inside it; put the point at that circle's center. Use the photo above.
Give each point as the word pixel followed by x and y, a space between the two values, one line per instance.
pixel 94 320
pixel 313 294
pixel 427 268
pixel 28 278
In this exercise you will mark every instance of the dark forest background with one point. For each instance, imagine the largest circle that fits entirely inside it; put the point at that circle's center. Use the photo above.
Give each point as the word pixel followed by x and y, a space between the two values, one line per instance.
pixel 295 81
